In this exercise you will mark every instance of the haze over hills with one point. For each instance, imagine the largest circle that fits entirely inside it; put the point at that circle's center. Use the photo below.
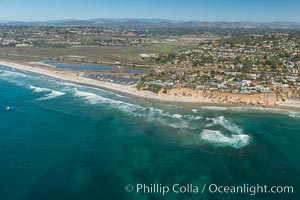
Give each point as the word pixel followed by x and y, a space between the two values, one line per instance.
pixel 139 23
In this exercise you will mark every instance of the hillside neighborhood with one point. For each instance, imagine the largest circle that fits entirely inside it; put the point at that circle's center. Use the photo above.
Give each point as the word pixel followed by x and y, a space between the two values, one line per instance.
pixel 243 64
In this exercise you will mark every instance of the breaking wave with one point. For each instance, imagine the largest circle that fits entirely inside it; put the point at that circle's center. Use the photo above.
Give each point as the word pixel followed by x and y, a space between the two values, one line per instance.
pixel 246 109
pixel 293 114
pixel 226 124
pixel 5 73
pixel 13 77
pixel 51 95
pixel 214 108
pixel 177 116
pixel 195 110
pixel 235 141
pixel 38 89
pixel 97 99
pixel 147 113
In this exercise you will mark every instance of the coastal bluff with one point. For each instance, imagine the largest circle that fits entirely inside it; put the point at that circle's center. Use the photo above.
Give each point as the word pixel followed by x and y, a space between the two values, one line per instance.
pixel 264 99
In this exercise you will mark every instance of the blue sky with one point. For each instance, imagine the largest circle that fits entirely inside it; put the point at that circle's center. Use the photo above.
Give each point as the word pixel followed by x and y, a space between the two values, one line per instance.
pixel 209 10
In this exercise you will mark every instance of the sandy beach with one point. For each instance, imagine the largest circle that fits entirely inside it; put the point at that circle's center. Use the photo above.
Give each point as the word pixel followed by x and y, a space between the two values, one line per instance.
pixel 131 90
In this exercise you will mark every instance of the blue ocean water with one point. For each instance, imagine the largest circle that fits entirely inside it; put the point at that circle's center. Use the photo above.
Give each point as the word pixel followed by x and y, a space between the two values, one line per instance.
pixel 60 140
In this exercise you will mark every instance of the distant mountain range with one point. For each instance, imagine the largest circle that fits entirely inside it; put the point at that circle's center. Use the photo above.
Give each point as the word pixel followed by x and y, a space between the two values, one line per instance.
pixel 154 23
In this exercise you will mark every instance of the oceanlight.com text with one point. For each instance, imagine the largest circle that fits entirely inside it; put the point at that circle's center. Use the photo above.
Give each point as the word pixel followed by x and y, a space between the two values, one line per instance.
pixel 252 190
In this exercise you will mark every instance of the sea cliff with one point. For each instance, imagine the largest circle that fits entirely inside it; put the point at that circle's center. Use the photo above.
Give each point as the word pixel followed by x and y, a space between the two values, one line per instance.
pixel 263 99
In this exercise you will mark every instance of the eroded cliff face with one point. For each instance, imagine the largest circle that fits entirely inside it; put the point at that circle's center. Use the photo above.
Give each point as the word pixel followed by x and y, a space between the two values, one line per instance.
pixel 288 94
pixel 267 99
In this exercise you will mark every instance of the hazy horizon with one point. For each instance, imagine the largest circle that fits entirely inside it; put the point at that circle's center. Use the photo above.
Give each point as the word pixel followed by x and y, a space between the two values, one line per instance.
pixel 125 18
pixel 191 10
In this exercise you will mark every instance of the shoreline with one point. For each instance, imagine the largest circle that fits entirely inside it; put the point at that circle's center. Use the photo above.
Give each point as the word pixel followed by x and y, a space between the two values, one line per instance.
pixel 133 92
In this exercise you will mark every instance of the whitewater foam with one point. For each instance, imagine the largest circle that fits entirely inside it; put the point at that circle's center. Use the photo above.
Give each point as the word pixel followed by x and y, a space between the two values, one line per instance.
pixel 216 137
pixel 246 109
pixel 293 114
pixel 195 110
pixel 226 124
pixel 97 99
pixel 177 116
pixel 192 117
pixel 13 77
pixel 39 89
pixel 53 94
pixel 175 120
pixel 6 73
pixel 214 108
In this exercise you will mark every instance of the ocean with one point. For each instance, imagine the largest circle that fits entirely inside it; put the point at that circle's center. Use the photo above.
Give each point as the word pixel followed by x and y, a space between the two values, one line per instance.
pixel 61 141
